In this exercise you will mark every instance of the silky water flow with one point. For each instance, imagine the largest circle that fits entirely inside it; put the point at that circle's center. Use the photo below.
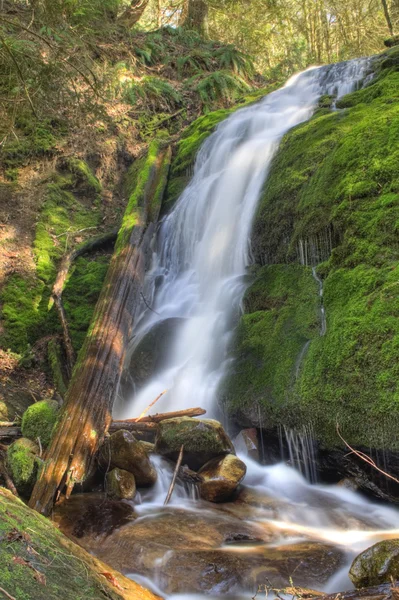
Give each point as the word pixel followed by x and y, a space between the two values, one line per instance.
pixel 198 280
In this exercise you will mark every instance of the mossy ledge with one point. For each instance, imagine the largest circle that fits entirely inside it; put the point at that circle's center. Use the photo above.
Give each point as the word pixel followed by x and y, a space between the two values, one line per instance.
pixel 333 180
pixel 37 561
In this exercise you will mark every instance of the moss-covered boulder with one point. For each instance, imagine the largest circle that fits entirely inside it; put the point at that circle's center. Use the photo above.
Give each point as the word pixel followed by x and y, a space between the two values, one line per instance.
pixel 38 421
pixel 123 451
pixel 38 562
pixel 202 439
pixel 378 564
pixel 221 477
pixel 120 484
pixel 23 464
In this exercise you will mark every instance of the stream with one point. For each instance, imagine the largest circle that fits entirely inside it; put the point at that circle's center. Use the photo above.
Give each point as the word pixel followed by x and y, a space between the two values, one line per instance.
pixel 280 528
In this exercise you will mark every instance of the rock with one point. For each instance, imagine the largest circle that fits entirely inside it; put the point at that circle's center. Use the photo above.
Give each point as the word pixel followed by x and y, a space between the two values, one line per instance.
pixel 203 439
pixel 122 450
pixel 23 464
pixel 221 477
pixel 120 484
pixel 246 443
pixel 149 447
pixel 378 564
pixel 349 484
pixel 149 356
pixel 38 562
pixel 38 421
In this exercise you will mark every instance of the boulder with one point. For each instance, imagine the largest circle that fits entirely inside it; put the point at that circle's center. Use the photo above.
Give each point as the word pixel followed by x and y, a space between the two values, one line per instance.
pixel 23 464
pixel 122 450
pixel 378 564
pixel 203 439
pixel 120 484
pixel 221 477
pixel 247 443
pixel 38 421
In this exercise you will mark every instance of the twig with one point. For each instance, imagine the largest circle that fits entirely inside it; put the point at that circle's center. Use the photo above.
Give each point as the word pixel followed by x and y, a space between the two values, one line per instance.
pixel 149 406
pixel 173 482
pixel 7 595
pixel 20 75
pixel 147 305
pixel 365 458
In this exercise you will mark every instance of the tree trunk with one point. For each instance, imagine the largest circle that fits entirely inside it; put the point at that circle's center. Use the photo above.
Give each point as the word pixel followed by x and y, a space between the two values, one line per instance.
pixel 387 16
pixel 133 13
pixel 195 16
pixel 86 414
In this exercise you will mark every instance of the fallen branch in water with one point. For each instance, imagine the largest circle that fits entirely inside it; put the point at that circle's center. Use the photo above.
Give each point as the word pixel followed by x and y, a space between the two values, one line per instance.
pixel 132 426
pixel 365 458
pixel 188 412
pixel 173 482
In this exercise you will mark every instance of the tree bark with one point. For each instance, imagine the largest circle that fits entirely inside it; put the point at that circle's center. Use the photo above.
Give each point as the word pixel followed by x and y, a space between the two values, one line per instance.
pixel 195 16
pixel 133 13
pixel 86 414
pixel 387 16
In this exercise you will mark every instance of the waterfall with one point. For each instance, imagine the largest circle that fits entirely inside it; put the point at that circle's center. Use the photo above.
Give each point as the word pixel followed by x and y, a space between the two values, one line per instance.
pixel 203 250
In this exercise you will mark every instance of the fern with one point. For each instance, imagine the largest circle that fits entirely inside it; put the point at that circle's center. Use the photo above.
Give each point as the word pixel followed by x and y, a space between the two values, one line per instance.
pixel 197 60
pixel 154 93
pixel 219 87
pixel 232 59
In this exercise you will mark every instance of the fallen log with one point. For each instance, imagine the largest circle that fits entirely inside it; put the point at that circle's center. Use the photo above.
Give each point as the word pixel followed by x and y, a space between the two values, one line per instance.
pixel 157 418
pixel 86 414
pixel 10 432
pixel 59 284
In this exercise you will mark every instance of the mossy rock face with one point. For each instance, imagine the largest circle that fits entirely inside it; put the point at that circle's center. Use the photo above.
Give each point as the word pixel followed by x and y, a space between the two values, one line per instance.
pixel 61 568
pixel 203 439
pixel 123 451
pixel 38 421
pixel 376 565
pixel 332 200
pixel 23 464
pixel 221 477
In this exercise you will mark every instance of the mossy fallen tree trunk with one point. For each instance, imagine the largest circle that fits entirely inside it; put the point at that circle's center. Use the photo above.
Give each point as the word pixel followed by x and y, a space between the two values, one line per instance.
pixel 86 414
pixel 37 561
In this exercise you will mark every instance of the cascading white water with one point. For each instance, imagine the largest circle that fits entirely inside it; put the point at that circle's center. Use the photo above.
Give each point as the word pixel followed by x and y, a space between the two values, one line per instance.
pixel 203 244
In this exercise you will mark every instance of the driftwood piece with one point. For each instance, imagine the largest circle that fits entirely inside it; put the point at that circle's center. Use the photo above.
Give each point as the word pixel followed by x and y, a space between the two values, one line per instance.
pixel 173 482
pixel 10 432
pixel 58 287
pixel 86 414
pixel 157 418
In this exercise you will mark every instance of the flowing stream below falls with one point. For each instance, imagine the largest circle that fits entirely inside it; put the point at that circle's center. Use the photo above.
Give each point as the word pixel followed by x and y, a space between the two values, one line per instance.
pixel 280 528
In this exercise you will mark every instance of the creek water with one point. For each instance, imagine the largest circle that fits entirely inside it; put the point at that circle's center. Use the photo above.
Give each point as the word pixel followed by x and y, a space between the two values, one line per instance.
pixel 198 279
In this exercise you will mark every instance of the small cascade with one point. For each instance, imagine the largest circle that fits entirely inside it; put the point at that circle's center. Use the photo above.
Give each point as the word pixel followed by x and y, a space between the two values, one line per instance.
pixel 203 246
pixel 301 452
pixel 156 495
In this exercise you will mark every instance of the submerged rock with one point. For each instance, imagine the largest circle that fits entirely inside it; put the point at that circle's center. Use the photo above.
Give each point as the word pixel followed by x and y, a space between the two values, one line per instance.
pixel 378 564
pixel 221 477
pixel 203 439
pixel 247 443
pixel 120 484
pixel 122 450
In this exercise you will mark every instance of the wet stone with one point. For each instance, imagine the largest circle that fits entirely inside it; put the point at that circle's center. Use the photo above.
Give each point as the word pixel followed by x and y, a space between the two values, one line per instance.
pixel 120 484
pixel 221 477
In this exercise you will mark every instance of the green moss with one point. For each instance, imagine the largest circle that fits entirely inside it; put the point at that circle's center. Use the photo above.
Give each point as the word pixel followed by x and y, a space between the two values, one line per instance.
pixel 26 298
pixel 84 175
pixel 282 308
pixel 35 138
pixel 38 421
pixel 334 183
pixel 55 360
pixel 23 464
pixel 81 294
pixel 29 540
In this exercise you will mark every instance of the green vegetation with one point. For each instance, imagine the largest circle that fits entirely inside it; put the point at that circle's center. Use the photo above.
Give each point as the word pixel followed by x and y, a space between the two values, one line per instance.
pixel 23 464
pixel 38 421
pixel 333 176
